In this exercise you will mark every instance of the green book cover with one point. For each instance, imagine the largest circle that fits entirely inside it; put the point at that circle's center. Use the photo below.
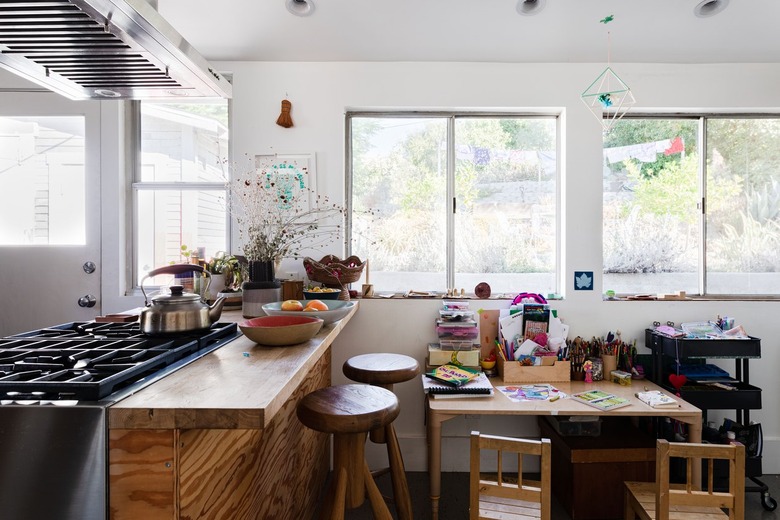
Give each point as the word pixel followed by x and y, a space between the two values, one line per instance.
pixel 452 374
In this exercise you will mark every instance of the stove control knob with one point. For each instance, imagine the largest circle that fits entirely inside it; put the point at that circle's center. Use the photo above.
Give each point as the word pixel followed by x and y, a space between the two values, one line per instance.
pixel 87 301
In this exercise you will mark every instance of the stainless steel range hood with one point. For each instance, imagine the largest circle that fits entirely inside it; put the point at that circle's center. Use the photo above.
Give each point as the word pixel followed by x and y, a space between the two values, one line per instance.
pixel 101 49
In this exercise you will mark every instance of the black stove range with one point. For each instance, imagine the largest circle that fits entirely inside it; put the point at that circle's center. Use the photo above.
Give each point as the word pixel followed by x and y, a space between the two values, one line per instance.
pixel 88 361
pixel 56 385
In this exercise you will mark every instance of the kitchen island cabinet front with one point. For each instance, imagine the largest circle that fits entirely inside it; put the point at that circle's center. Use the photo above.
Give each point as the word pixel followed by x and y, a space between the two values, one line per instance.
pixel 220 439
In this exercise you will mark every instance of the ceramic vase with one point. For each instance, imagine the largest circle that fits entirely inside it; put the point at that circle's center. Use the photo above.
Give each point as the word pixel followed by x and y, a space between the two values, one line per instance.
pixel 261 288
pixel 261 271
pixel 216 286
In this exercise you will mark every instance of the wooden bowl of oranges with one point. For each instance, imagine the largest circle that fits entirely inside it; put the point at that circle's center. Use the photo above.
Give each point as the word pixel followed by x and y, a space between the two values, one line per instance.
pixel 328 310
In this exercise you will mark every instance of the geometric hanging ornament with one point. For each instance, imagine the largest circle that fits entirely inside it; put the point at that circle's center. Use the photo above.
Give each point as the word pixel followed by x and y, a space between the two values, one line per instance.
pixel 608 98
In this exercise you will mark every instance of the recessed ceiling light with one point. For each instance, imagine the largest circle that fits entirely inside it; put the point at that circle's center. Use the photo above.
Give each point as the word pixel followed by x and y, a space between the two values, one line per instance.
pixel 529 7
pixel 709 8
pixel 104 92
pixel 300 7
pixel 177 92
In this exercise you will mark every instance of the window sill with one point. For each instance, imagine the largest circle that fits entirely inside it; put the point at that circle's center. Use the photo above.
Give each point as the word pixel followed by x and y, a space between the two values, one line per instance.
pixel 705 298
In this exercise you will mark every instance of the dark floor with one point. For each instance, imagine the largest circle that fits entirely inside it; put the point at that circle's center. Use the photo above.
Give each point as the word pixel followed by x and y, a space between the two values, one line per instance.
pixel 454 503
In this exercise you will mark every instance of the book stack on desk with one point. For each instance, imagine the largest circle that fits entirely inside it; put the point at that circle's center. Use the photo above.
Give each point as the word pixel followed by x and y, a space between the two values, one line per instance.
pixel 450 381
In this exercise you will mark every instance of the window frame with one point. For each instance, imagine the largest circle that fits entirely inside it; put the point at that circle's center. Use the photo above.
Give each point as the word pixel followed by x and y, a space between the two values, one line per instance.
pixel 134 185
pixel 451 116
pixel 702 119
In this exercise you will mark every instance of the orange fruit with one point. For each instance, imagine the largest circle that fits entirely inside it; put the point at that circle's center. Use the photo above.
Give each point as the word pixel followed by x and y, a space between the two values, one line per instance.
pixel 316 305
pixel 291 305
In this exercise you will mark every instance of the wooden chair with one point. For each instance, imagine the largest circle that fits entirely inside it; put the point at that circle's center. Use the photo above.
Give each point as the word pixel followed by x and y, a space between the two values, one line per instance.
pixel 499 499
pixel 661 500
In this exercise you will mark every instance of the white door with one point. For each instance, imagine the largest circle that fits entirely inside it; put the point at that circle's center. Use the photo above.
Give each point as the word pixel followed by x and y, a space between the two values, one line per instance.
pixel 49 210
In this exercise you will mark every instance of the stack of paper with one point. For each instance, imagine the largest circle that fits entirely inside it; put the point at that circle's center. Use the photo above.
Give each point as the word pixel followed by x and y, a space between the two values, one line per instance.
pixel 657 399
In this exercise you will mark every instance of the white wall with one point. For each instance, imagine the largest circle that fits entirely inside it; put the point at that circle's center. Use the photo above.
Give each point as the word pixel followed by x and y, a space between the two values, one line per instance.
pixel 320 94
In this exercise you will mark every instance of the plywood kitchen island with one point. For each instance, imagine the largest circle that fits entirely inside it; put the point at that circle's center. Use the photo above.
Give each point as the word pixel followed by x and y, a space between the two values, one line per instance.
pixel 219 438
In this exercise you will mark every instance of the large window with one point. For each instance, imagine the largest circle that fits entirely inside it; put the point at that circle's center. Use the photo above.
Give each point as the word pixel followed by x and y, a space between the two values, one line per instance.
pixel 180 197
pixel 692 204
pixel 443 201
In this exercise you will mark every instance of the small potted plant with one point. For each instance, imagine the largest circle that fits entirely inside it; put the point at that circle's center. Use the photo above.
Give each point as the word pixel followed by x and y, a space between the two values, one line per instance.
pixel 226 277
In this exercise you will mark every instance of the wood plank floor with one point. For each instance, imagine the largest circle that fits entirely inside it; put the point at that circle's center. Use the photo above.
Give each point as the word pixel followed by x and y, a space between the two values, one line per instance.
pixel 455 505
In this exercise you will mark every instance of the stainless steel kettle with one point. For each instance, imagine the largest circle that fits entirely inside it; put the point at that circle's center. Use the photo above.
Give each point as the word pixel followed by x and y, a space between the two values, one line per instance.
pixel 179 311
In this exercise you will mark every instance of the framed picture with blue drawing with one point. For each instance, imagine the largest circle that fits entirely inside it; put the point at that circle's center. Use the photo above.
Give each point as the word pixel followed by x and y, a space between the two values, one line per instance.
pixel 293 175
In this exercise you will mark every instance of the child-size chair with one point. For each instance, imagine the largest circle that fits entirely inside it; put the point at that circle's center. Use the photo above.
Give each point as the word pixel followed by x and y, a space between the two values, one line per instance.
pixel 496 498
pixel 661 500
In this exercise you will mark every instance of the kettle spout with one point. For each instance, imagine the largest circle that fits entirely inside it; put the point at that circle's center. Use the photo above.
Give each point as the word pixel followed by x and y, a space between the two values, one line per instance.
pixel 215 311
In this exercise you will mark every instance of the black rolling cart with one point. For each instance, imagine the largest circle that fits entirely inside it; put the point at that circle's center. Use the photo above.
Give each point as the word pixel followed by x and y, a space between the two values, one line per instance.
pixel 743 397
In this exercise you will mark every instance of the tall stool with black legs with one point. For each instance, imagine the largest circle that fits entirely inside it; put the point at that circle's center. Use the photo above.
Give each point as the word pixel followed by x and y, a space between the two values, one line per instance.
pixel 384 370
pixel 349 412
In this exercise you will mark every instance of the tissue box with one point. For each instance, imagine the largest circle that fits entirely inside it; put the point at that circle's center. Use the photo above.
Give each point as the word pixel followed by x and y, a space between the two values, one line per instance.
pixel 437 355
pixel 620 377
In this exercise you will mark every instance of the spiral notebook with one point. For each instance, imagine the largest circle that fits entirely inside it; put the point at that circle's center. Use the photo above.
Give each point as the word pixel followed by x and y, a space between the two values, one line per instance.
pixel 480 386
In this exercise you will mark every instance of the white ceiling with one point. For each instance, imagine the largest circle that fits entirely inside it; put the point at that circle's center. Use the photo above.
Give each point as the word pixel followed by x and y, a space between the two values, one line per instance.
pixel 644 31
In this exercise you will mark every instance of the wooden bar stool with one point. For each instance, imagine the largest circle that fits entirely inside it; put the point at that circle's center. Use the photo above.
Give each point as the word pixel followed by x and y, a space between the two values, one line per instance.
pixel 384 370
pixel 349 412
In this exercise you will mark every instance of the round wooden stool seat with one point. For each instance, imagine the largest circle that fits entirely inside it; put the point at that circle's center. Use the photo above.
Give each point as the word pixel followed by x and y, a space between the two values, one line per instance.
pixel 348 409
pixel 349 412
pixel 381 369
pixel 384 369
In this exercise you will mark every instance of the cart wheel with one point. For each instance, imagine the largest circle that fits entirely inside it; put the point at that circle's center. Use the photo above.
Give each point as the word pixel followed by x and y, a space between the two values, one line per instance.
pixel 769 503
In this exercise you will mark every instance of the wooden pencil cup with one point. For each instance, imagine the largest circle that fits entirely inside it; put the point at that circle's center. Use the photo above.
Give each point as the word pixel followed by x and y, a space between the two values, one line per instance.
pixel 608 363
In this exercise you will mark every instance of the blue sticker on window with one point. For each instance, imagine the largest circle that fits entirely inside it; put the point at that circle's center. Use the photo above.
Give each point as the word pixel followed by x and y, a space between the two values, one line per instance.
pixel 583 280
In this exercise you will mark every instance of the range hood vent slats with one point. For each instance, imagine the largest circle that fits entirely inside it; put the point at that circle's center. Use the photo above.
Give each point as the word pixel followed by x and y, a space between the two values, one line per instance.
pixel 99 67
pixel 81 48
pixel 115 75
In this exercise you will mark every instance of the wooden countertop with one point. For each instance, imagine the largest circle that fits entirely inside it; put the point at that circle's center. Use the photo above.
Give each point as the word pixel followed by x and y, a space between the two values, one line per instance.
pixel 240 385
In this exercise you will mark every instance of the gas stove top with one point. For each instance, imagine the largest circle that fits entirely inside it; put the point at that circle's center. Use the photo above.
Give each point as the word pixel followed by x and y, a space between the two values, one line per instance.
pixel 88 361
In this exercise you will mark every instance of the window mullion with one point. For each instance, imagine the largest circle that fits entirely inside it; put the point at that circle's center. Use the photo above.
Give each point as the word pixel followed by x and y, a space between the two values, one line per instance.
pixel 451 202
pixel 702 169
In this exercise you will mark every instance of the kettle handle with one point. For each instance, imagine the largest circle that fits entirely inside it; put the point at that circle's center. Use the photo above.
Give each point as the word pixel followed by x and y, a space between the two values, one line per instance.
pixel 174 269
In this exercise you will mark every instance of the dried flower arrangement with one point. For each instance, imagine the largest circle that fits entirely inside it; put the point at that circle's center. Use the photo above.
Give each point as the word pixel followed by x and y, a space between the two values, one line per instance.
pixel 280 216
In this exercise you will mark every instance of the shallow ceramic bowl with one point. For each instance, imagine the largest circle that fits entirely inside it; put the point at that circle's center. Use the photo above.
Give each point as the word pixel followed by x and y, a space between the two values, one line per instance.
pixel 314 295
pixel 337 309
pixel 278 331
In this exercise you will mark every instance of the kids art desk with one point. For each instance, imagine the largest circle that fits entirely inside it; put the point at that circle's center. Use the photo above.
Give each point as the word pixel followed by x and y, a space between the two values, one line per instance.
pixel 440 410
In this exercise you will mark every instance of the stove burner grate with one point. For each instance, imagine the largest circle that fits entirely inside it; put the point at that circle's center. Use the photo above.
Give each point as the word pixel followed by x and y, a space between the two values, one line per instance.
pixel 89 361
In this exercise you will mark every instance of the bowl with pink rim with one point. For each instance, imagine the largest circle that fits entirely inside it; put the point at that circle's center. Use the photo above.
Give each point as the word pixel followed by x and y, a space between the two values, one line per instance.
pixel 281 331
